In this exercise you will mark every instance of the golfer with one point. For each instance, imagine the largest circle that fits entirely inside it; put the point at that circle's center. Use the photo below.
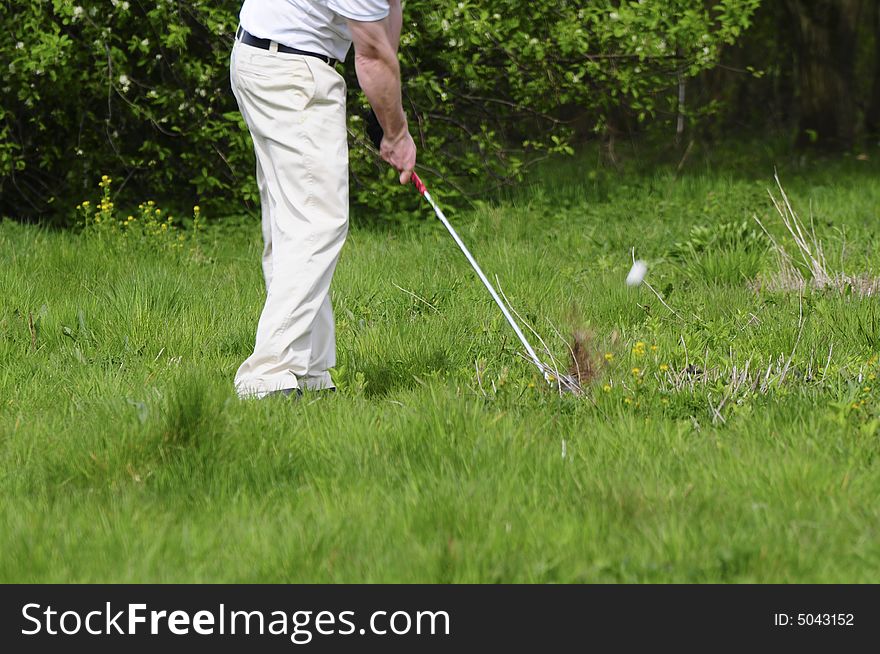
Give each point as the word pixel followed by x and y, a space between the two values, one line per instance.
pixel 291 97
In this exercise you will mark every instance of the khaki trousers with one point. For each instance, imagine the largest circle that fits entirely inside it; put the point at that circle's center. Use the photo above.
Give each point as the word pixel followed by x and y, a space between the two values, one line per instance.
pixel 294 107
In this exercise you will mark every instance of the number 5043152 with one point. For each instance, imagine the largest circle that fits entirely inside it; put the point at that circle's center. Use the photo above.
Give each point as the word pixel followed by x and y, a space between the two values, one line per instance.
pixel 814 619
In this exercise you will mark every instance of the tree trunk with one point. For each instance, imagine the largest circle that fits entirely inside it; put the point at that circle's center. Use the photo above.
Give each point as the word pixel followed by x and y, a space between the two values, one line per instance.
pixel 872 114
pixel 825 35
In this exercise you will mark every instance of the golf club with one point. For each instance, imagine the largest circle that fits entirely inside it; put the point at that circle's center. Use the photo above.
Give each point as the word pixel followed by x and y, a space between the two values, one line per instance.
pixel 565 382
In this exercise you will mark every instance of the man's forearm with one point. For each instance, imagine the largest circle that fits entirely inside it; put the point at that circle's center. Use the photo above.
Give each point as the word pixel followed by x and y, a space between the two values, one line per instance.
pixel 375 46
pixel 379 75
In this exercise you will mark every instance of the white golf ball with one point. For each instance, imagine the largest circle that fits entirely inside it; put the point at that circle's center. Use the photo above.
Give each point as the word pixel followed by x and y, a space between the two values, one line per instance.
pixel 636 273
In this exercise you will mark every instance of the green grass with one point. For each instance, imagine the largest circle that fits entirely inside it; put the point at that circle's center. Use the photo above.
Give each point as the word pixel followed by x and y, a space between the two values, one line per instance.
pixel 125 455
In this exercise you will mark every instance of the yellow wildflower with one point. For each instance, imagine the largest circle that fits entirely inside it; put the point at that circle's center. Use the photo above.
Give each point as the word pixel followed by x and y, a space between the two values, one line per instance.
pixel 609 356
pixel 607 388
pixel 663 367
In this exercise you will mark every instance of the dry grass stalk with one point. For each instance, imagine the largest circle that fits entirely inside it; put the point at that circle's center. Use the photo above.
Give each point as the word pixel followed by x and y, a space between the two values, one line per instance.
pixel 564 383
pixel 745 378
pixel 789 276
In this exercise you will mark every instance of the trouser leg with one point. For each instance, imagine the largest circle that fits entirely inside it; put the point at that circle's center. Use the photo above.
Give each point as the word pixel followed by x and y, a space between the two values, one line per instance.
pixel 323 349
pixel 266 223
pixel 295 110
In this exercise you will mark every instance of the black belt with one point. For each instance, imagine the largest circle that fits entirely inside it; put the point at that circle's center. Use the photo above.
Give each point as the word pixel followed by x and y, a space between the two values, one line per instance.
pixel 249 39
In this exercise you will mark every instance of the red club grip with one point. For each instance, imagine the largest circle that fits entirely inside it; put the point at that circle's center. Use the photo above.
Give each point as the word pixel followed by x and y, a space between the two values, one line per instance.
pixel 420 187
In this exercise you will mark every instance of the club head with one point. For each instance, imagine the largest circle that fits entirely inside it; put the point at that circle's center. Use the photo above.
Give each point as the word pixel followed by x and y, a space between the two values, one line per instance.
pixel 565 383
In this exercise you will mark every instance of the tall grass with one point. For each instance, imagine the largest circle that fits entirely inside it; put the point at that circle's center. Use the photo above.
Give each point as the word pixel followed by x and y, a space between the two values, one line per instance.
pixel 125 455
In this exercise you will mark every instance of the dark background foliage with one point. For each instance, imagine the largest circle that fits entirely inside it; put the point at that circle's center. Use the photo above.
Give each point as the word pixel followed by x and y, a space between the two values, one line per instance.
pixel 139 91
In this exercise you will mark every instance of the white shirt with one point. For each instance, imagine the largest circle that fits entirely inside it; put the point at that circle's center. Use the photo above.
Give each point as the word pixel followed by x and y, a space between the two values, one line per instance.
pixel 313 25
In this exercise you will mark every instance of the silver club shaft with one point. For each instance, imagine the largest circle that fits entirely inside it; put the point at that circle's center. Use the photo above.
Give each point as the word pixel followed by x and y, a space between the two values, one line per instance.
pixel 488 285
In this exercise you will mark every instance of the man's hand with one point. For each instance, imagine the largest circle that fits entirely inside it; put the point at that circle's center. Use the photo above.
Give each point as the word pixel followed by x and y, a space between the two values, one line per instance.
pixel 400 153
pixel 375 45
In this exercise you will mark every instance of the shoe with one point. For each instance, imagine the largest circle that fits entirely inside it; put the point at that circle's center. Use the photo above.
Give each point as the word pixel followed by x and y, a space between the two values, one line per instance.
pixel 318 392
pixel 286 392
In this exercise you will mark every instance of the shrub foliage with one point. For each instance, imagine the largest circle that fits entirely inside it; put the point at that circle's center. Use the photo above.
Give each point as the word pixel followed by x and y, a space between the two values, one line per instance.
pixel 139 91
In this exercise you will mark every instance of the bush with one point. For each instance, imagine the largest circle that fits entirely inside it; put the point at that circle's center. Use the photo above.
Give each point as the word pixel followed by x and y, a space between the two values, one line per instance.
pixel 140 91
